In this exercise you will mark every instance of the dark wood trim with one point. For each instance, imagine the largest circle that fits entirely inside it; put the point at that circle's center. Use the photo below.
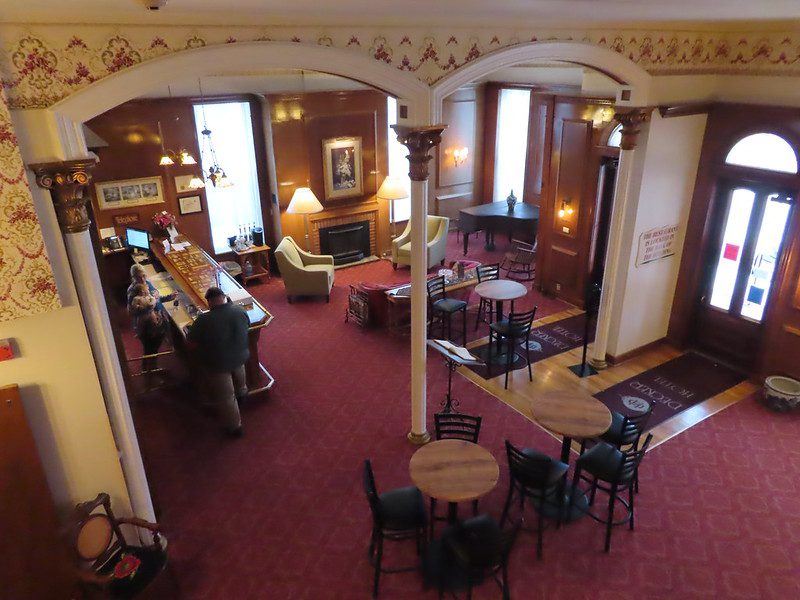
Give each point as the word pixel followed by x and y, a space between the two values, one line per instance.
pixel 491 104
pixel 621 358
pixel 685 110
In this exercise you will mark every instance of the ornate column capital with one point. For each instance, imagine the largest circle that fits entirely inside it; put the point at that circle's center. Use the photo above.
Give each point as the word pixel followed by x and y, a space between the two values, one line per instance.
pixel 419 141
pixel 631 125
pixel 68 182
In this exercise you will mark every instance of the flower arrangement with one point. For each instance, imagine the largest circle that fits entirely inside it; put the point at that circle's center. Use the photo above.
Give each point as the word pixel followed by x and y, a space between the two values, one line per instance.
pixel 163 220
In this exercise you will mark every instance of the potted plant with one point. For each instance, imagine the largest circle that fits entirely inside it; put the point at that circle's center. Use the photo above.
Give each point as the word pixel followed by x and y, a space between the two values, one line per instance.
pixel 165 224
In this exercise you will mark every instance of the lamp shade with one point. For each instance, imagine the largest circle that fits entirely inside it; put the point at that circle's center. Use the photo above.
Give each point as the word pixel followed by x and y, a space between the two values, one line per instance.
pixel 304 202
pixel 392 188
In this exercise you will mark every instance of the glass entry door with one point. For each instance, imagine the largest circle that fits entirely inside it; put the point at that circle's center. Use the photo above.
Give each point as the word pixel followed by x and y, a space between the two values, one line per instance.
pixel 741 264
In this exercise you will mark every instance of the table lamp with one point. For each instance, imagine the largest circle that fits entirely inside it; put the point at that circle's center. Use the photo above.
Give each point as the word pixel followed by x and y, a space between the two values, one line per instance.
pixel 304 202
pixel 392 188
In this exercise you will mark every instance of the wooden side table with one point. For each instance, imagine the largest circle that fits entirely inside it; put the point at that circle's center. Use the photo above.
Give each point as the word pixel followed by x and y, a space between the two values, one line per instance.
pixel 258 256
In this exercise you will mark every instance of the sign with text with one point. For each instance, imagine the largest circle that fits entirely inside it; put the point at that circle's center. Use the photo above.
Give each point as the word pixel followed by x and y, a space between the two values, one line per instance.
pixel 655 244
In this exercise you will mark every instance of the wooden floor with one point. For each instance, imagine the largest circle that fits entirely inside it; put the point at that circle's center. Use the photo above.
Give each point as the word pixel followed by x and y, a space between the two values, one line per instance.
pixel 553 374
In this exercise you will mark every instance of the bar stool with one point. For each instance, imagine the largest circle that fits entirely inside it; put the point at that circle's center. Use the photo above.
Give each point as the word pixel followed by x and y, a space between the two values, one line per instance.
pixel 615 468
pixel 486 273
pixel 514 330
pixel 443 308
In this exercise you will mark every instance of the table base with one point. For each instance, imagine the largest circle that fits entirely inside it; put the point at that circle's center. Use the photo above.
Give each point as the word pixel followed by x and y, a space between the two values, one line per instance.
pixel 496 358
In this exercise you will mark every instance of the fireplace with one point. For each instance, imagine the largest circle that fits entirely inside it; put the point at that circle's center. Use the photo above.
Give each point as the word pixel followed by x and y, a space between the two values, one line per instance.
pixel 348 242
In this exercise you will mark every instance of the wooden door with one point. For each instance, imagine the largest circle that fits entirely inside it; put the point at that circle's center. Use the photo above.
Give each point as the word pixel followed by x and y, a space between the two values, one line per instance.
pixel 34 560
pixel 739 269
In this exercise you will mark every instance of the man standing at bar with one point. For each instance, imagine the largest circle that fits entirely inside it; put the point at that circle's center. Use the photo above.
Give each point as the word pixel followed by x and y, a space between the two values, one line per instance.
pixel 219 339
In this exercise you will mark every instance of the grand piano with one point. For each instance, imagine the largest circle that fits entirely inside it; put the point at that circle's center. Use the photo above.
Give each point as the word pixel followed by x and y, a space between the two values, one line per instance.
pixel 495 216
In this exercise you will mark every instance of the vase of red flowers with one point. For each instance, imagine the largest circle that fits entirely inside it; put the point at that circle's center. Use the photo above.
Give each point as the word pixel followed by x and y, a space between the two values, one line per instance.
pixel 165 223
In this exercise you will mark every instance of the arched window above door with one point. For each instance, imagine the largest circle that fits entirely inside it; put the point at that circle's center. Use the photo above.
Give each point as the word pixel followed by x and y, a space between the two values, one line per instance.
pixel 763 151
pixel 615 137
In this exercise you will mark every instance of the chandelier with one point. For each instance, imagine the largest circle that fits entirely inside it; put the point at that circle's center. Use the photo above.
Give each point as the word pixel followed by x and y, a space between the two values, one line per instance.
pixel 170 157
pixel 216 174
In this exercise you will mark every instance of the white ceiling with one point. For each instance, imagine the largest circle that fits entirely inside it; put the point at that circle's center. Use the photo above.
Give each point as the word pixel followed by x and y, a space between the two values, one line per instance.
pixel 393 12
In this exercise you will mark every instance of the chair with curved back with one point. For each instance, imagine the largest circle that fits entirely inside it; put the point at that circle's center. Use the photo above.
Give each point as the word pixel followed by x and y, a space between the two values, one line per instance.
pixel 398 514
pixel 612 471
pixel 514 331
pixel 536 476
pixel 106 560
pixel 519 264
pixel 486 306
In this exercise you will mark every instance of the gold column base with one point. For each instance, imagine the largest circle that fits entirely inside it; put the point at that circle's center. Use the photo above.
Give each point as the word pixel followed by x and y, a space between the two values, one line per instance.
pixel 419 439
pixel 598 364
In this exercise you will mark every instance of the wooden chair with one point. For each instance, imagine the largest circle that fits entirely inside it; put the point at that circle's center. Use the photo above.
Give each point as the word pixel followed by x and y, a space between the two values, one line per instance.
pixel 519 263
pixel 486 306
pixel 443 308
pixel 398 514
pixel 107 562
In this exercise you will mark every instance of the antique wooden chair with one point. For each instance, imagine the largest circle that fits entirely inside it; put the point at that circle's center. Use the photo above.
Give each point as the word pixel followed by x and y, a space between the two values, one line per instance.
pixel 519 263
pixel 107 562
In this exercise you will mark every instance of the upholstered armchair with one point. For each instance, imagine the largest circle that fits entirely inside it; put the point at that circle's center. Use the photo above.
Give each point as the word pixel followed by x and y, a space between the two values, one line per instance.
pixel 304 274
pixel 437 243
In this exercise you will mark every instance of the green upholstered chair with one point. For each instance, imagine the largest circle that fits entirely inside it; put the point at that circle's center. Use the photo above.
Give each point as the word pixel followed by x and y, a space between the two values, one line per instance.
pixel 437 243
pixel 303 273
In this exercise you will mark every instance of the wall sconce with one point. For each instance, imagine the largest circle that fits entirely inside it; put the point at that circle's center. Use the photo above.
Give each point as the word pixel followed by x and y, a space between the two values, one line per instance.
pixel 566 208
pixel 460 155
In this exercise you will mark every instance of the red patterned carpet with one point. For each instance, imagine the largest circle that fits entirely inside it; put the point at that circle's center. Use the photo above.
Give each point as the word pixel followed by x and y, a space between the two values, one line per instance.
pixel 281 513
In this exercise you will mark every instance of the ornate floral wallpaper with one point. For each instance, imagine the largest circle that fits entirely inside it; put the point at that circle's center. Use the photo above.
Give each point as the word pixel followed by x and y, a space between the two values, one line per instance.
pixel 27 286
pixel 41 64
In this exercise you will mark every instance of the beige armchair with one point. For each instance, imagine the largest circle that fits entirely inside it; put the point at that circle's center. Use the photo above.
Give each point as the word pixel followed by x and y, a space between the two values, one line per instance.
pixel 437 243
pixel 304 274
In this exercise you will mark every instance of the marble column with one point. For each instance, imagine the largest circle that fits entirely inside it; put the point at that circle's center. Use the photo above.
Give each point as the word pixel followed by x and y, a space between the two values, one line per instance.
pixel 68 183
pixel 419 141
pixel 623 210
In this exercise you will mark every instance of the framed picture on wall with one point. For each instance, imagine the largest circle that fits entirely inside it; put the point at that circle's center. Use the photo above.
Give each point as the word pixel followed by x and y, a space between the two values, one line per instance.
pixel 190 204
pixel 341 167
pixel 130 192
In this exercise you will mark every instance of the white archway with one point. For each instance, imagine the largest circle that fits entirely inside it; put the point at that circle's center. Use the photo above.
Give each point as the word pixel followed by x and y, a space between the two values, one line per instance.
pixel 611 63
pixel 220 59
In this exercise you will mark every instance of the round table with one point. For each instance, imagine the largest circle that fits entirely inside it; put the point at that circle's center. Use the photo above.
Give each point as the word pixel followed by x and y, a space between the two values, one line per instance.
pixel 571 415
pixel 454 471
pixel 499 290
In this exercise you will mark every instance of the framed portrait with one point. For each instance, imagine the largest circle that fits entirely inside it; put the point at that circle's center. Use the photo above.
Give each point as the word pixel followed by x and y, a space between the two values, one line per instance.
pixel 190 204
pixel 341 162
pixel 131 192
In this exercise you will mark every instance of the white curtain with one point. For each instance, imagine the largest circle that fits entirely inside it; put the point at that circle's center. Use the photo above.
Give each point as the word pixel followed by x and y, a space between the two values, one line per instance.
pixel 232 135
pixel 398 164
pixel 511 144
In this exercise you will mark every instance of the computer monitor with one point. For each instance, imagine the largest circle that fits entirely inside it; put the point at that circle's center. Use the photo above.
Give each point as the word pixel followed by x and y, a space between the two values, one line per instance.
pixel 137 238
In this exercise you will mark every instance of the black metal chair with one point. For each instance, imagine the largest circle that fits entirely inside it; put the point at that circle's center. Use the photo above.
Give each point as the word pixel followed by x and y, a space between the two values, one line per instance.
pixel 616 469
pixel 443 308
pixel 519 264
pixel 514 330
pixel 398 514
pixel 456 426
pixel 539 477
pixel 486 307
pixel 468 554
pixel 627 430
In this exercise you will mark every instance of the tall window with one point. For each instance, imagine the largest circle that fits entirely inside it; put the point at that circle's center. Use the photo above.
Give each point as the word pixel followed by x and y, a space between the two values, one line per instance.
pixel 398 163
pixel 239 205
pixel 511 150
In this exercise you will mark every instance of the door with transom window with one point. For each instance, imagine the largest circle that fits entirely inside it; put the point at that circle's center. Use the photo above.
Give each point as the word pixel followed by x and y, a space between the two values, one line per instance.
pixel 753 210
